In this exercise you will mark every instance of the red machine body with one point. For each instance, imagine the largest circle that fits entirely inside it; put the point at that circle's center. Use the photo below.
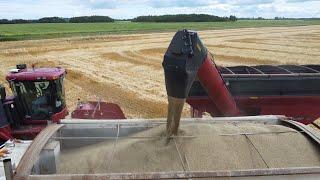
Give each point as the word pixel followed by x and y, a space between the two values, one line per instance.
pixel 217 91
pixel 35 74
pixel 302 109
pixel 39 99
pixel 296 100
pixel 97 110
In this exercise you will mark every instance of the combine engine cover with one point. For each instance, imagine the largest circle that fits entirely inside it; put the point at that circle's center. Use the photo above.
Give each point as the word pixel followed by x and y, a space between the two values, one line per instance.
pixel 97 110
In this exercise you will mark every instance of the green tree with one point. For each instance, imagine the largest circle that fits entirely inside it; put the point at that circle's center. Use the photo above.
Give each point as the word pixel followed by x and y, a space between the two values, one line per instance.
pixel 90 19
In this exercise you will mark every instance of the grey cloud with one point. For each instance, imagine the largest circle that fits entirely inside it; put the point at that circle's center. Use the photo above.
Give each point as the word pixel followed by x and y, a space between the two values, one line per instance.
pixel 98 4
pixel 104 5
pixel 177 3
pixel 112 4
pixel 300 0
pixel 201 3
pixel 245 2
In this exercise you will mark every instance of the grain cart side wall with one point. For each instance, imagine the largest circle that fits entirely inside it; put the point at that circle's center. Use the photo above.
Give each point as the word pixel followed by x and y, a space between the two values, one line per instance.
pixel 124 133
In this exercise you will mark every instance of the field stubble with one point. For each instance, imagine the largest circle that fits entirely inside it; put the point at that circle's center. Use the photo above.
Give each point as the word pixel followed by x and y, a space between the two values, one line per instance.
pixel 126 69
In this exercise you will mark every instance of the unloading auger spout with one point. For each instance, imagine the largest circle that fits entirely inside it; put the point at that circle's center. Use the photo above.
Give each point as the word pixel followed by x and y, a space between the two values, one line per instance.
pixel 185 60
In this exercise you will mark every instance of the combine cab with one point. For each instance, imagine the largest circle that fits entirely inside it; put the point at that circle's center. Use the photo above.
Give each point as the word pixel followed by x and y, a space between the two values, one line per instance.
pixel 39 99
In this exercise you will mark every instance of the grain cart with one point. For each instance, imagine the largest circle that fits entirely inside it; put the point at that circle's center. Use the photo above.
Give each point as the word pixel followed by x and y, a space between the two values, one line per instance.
pixel 268 147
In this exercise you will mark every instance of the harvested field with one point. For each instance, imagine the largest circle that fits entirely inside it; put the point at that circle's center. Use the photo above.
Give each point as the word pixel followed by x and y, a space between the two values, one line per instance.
pixel 126 69
pixel 199 147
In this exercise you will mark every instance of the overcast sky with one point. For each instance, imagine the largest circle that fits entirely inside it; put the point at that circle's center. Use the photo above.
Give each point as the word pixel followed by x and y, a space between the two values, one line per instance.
pixel 33 9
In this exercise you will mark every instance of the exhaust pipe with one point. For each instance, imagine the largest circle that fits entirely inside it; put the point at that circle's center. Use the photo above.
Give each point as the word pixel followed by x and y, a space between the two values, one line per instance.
pixel 186 59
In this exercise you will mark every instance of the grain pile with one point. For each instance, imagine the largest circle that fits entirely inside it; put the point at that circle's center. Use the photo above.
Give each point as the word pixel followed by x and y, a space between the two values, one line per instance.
pixel 201 146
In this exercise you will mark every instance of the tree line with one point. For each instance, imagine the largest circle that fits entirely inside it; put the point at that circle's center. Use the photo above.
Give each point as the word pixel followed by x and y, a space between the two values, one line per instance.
pixel 94 19
pixel 163 18
pixel 80 19
pixel 277 18
pixel 184 18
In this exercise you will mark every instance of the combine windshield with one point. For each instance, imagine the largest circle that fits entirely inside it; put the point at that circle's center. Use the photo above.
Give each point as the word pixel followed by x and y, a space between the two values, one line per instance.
pixel 40 99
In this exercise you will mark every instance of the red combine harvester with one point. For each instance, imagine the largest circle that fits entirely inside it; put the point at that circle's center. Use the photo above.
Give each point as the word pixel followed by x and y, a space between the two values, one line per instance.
pixel 191 74
pixel 39 99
